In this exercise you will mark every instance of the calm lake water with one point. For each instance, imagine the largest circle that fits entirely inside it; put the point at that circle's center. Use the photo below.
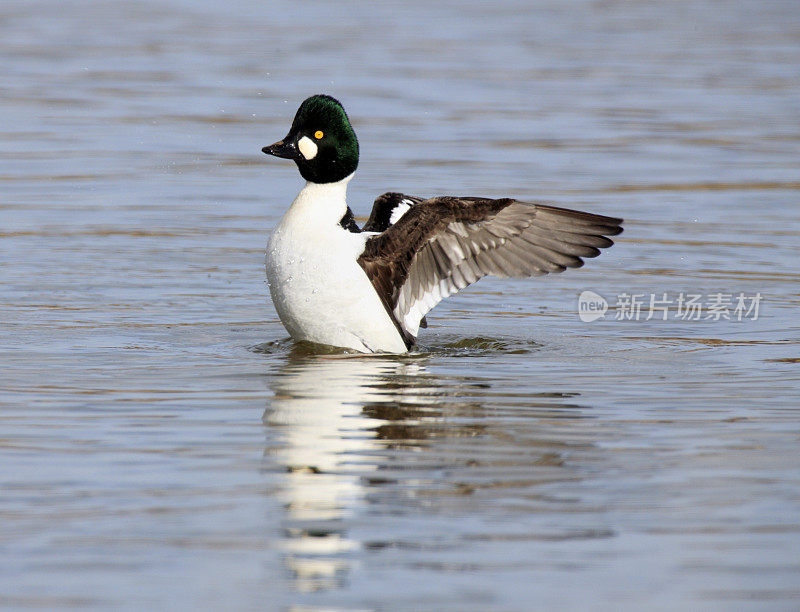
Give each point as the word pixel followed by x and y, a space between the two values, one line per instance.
pixel 164 446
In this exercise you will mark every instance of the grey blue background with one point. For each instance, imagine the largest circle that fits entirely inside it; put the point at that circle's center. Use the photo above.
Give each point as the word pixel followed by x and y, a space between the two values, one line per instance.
pixel 163 446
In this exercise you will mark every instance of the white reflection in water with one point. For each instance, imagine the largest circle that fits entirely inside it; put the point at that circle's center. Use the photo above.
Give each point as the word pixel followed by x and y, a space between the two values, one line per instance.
pixel 329 448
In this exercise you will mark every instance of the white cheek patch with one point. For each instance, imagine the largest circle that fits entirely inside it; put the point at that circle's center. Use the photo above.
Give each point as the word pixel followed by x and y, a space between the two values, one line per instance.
pixel 399 211
pixel 307 147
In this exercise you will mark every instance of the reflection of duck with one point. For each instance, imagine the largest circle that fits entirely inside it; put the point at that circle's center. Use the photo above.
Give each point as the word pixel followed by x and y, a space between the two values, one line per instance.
pixel 368 446
pixel 326 410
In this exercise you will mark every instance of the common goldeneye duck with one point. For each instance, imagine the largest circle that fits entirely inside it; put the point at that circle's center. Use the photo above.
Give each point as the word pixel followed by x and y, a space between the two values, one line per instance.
pixel 369 289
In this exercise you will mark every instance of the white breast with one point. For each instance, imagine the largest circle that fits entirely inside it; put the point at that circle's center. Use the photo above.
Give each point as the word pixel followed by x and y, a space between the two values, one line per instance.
pixel 320 291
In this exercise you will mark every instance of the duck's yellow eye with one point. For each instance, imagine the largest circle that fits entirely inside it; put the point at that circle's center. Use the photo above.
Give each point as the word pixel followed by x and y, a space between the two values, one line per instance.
pixel 318 134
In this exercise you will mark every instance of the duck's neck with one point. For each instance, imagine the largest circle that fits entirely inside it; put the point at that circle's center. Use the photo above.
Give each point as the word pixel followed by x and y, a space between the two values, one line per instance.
pixel 323 202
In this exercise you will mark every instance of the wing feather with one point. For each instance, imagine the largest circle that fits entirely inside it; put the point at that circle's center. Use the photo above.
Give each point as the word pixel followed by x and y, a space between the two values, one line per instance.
pixel 387 206
pixel 441 245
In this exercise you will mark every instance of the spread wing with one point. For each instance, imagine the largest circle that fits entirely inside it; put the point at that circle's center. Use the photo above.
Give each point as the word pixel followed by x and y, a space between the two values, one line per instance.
pixel 443 244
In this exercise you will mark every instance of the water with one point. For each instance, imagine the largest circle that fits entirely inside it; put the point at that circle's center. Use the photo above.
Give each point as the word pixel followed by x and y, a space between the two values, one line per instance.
pixel 165 447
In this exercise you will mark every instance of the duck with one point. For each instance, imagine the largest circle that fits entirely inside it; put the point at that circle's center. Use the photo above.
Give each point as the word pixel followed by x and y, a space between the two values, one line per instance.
pixel 368 289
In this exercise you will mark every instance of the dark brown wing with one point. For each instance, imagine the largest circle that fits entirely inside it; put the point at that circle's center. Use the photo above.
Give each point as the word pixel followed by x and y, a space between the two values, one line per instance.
pixel 443 244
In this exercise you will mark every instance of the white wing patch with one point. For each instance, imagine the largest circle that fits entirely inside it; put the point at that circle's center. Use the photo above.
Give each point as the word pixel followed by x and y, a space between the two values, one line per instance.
pixel 399 211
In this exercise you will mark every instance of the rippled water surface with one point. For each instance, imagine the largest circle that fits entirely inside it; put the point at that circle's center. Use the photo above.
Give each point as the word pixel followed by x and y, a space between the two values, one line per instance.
pixel 164 446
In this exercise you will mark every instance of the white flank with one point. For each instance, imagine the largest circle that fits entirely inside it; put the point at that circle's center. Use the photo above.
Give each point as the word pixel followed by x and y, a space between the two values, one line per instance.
pixel 320 291
pixel 307 147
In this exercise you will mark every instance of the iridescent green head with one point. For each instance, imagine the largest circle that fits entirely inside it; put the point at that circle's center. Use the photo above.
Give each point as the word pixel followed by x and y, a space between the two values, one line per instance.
pixel 321 141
